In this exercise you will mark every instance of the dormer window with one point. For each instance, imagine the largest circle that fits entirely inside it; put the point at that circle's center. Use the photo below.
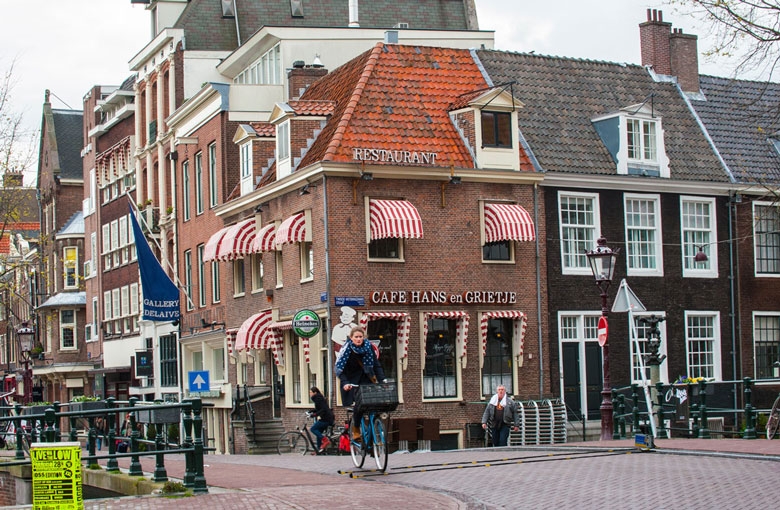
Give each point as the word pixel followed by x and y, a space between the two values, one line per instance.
pixel 634 138
pixel 641 140
pixel 496 129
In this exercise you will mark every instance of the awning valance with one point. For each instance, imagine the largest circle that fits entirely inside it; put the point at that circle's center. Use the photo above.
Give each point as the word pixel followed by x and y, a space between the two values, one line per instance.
pixel 230 338
pixel 402 330
pixel 518 332
pixel 212 245
pixel 461 330
pixel 264 239
pixel 508 222
pixel 292 230
pixel 237 241
pixel 394 218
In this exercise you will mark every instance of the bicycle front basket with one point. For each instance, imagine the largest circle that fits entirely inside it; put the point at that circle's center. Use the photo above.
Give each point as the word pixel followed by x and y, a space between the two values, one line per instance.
pixel 377 397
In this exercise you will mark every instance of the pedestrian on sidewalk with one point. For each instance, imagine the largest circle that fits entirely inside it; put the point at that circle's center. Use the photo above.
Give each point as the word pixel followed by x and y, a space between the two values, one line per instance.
pixel 324 415
pixel 500 415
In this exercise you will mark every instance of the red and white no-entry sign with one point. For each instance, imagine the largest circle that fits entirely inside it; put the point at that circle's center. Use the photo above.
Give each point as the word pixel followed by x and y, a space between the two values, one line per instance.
pixel 603 331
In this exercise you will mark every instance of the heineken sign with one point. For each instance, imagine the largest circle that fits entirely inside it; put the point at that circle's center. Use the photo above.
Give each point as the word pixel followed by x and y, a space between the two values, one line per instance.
pixel 306 323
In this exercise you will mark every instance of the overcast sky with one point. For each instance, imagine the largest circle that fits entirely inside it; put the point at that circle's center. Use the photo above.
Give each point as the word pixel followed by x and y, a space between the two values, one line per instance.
pixel 68 46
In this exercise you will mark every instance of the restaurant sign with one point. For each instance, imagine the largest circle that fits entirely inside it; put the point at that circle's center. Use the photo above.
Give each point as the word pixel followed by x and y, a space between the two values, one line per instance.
pixel 422 297
pixel 373 155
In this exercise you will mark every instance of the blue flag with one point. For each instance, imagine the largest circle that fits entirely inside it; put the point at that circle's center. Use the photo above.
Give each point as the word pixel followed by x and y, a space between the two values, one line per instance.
pixel 161 297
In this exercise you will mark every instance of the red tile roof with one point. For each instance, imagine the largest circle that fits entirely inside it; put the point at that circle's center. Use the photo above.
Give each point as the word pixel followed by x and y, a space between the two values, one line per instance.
pixel 396 97
pixel 264 129
pixel 317 108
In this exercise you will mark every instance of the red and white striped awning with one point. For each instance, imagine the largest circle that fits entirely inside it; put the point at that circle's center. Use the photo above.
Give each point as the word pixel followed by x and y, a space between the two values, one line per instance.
pixel 402 330
pixel 518 332
pixel 278 351
pixel 237 241
pixel 264 239
pixel 212 245
pixel 508 222
pixel 255 332
pixel 292 230
pixel 230 338
pixel 461 330
pixel 394 218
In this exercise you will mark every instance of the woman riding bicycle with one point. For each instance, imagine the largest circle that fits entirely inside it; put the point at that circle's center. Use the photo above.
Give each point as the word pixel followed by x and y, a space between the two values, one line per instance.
pixel 357 364
pixel 324 416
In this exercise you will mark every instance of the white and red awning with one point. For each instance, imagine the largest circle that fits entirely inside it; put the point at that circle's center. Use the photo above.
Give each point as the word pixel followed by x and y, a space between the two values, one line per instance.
pixel 402 330
pixel 230 339
pixel 255 332
pixel 212 245
pixel 237 241
pixel 461 331
pixel 264 239
pixel 518 332
pixel 394 219
pixel 508 222
pixel 292 230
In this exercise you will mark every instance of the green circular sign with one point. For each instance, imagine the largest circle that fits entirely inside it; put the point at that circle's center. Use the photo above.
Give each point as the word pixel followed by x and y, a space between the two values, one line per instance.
pixel 306 323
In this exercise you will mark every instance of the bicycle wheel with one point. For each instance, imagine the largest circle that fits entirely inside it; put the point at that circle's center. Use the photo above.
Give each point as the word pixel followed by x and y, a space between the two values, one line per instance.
pixel 357 451
pixel 773 423
pixel 292 443
pixel 380 445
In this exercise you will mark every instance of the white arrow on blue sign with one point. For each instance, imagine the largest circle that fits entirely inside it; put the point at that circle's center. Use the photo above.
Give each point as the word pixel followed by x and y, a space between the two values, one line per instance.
pixel 199 381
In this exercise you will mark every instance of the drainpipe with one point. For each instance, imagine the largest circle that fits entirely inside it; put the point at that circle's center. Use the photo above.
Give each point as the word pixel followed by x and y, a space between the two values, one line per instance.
pixel 539 293
pixel 326 329
pixel 733 302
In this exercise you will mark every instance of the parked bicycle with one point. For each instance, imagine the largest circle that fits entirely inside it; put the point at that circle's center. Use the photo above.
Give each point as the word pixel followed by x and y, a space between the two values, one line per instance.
pixel 773 423
pixel 300 441
pixel 376 401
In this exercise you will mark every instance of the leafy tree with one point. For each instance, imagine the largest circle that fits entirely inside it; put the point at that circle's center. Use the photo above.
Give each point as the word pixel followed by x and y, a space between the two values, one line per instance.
pixel 747 30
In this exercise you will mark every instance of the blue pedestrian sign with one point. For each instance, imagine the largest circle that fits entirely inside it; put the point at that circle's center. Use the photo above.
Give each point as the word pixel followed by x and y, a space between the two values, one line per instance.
pixel 199 381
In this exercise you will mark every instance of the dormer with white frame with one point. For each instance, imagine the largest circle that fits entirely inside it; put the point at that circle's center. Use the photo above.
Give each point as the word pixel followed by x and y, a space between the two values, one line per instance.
pixel 634 138
pixel 488 125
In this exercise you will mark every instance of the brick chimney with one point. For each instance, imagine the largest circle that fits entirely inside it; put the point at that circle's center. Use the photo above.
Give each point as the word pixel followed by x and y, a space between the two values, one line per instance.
pixel 668 51
pixel 301 76
pixel 13 179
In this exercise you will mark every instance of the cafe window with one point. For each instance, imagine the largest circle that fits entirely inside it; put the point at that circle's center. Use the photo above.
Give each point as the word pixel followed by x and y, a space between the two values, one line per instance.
pixel 384 333
pixel 498 368
pixel 440 375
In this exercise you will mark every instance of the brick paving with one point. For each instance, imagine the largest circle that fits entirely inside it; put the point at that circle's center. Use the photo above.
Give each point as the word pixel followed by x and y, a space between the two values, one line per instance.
pixel 692 473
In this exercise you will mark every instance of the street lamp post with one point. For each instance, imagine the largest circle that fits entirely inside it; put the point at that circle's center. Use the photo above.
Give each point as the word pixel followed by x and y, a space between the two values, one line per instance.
pixel 26 336
pixel 602 262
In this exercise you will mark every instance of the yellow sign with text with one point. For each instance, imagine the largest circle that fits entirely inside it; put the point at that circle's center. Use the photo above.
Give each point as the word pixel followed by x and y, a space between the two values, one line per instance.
pixel 56 476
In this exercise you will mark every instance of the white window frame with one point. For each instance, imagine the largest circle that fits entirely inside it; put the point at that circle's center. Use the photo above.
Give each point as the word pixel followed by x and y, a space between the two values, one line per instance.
pixel 216 291
pixel 307 261
pixel 94 257
pixel 645 142
pixel 279 266
pixel 188 277
pixel 185 191
pixel 245 164
pixel 717 367
pixel 657 242
pixel 199 199
pixel 776 331
pixel 106 228
pixel 757 236
pixel 699 230
pixel 70 326
pixel 201 276
pixel 213 190
pixel 123 239
pixel 585 244
pixel 70 268
pixel 257 272
pixel 238 276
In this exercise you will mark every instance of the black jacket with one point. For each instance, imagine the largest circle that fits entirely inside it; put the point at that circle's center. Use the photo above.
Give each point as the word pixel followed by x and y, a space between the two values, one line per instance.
pixel 354 374
pixel 321 409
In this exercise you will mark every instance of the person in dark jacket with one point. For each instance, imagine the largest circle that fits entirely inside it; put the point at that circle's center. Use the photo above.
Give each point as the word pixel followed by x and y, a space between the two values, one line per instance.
pixel 500 415
pixel 324 415
pixel 357 364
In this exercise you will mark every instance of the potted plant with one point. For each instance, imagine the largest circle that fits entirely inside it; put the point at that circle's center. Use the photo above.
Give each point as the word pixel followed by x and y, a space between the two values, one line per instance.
pixel 86 403
pixel 36 408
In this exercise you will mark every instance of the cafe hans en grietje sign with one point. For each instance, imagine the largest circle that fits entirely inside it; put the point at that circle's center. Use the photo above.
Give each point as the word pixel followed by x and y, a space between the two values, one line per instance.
pixel 419 297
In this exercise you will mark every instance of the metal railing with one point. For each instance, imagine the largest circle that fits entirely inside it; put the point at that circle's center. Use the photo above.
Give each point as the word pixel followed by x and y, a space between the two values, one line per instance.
pixel 46 427
pixel 696 418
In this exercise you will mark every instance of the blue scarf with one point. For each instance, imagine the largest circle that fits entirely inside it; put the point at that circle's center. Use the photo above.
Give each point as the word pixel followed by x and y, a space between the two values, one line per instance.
pixel 365 351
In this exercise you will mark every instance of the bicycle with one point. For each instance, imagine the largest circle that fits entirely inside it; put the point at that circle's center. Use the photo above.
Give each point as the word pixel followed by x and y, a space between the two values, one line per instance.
pixel 300 441
pixel 372 428
pixel 773 423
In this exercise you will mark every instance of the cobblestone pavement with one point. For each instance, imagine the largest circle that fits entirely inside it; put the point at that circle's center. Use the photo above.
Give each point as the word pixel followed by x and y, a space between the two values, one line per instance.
pixel 679 473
